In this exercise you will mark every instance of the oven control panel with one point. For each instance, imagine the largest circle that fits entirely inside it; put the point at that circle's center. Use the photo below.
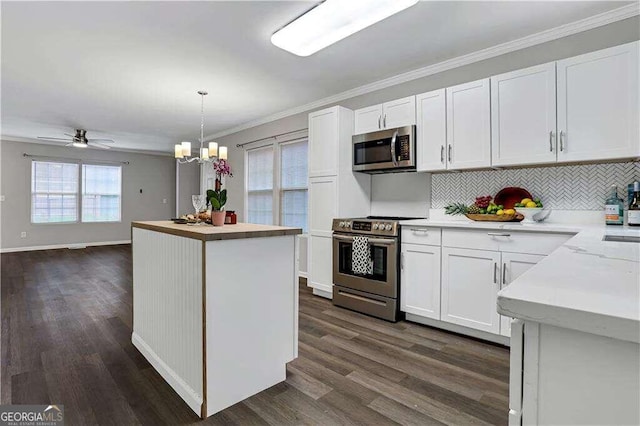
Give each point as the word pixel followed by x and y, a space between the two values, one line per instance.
pixel 366 226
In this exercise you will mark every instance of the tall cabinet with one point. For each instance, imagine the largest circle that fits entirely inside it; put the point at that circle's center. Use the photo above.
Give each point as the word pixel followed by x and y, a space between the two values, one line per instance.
pixel 334 189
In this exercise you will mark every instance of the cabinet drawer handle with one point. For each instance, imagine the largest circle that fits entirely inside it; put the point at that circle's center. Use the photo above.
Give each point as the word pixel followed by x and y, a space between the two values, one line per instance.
pixel 449 154
pixel 504 270
pixel 418 230
pixel 442 154
pixel 495 273
pixel 561 140
pixel 551 141
pixel 498 234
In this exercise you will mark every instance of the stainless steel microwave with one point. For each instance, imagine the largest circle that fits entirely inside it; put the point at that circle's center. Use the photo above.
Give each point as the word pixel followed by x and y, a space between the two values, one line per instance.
pixel 385 151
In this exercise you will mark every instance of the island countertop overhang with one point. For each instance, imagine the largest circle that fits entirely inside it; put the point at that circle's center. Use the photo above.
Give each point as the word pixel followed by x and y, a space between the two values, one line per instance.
pixel 217 233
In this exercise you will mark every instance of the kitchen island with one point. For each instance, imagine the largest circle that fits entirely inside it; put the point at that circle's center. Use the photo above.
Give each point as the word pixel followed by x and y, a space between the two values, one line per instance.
pixel 215 309
pixel 575 343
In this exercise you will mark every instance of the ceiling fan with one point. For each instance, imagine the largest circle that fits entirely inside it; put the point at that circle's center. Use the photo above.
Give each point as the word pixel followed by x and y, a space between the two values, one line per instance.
pixel 79 140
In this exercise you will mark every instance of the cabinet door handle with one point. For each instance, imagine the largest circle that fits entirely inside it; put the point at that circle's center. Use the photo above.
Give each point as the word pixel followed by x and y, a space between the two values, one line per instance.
pixel 379 118
pixel 449 154
pixel 442 154
pixel 498 234
pixel 504 270
pixel 551 141
pixel 561 140
pixel 384 121
pixel 402 261
pixel 495 272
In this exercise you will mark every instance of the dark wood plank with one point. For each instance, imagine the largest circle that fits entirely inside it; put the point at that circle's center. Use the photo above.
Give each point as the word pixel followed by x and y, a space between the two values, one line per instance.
pixel 66 339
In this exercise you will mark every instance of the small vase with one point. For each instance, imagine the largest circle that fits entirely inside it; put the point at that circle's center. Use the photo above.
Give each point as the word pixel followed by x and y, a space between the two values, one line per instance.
pixel 217 217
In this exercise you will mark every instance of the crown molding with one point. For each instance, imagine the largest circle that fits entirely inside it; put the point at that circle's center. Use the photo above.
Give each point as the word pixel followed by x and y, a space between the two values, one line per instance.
pixel 545 36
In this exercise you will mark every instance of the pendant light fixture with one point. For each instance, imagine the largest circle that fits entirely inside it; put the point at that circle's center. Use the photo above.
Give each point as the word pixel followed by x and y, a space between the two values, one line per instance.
pixel 209 154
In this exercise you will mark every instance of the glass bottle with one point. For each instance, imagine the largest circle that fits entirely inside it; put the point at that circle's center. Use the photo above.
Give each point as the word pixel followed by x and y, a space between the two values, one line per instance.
pixel 634 206
pixel 614 209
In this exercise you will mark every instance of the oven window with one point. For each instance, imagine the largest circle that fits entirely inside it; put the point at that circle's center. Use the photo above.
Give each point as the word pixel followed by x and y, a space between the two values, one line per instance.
pixel 378 255
pixel 372 152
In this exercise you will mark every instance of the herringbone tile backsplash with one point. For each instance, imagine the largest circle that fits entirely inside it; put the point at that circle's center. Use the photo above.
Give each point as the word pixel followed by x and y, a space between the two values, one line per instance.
pixel 581 187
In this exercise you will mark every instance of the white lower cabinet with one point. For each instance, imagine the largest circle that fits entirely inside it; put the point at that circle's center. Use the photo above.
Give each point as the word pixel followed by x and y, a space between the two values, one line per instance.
pixel 420 277
pixel 514 265
pixel 470 284
pixel 320 270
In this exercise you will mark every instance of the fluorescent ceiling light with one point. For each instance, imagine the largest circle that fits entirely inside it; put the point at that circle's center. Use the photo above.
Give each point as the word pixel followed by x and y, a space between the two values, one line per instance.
pixel 333 20
pixel 79 144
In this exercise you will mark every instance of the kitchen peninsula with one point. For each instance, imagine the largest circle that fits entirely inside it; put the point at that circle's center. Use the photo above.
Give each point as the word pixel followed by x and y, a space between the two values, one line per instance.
pixel 215 309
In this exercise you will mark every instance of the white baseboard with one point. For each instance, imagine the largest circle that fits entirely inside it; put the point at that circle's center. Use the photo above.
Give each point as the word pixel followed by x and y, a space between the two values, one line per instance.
pixel 322 293
pixel 193 399
pixel 64 246
pixel 502 340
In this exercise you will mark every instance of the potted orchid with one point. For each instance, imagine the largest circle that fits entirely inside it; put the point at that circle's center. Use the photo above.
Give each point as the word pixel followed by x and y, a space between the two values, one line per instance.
pixel 217 197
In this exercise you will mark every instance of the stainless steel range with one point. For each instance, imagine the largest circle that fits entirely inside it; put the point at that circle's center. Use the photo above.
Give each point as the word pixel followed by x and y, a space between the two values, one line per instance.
pixel 374 288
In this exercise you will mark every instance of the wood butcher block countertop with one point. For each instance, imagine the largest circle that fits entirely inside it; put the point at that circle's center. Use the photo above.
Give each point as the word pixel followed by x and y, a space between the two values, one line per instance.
pixel 215 233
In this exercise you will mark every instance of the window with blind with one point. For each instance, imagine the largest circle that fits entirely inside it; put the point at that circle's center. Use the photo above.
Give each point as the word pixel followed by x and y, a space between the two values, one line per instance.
pixel 64 192
pixel 293 184
pixel 260 185
pixel 54 192
pixel 101 193
pixel 277 184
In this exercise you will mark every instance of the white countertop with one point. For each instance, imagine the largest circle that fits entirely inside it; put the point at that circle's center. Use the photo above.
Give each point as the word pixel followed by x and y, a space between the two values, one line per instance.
pixel 586 284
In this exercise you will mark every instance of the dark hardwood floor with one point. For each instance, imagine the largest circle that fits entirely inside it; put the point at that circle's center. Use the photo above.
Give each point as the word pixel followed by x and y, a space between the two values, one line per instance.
pixel 66 338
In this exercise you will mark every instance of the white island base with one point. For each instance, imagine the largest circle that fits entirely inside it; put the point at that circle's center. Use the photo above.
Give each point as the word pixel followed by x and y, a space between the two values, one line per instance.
pixel 215 309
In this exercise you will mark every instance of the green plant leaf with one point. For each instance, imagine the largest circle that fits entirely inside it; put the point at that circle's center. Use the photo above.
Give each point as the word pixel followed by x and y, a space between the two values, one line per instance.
pixel 215 204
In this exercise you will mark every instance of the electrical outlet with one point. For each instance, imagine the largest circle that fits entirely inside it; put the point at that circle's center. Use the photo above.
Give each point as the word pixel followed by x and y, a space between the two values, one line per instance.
pixel 23 234
pixel 164 201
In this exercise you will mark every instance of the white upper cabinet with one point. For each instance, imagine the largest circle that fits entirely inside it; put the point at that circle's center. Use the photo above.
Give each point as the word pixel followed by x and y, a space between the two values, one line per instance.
pixel 523 116
pixel 389 115
pixel 399 113
pixel 368 119
pixel 469 125
pixel 323 142
pixel 598 105
pixel 431 130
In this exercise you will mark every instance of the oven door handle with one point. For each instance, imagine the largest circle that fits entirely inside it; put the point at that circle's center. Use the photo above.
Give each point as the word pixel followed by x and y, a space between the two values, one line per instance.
pixel 393 148
pixel 381 241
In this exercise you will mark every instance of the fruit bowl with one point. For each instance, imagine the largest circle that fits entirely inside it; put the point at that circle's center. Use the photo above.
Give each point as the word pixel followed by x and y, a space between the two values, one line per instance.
pixel 528 213
pixel 494 217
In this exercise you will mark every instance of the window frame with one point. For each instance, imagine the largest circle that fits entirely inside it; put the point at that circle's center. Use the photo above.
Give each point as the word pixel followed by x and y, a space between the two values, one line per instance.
pixel 79 192
pixel 277 178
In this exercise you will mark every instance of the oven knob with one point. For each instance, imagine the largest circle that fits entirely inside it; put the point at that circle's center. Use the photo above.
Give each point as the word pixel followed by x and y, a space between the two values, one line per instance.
pixel 388 227
pixel 375 226
pixel 341 224
pixel 347 224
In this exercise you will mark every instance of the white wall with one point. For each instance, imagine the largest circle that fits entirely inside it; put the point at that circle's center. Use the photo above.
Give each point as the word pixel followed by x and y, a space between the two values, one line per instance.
pixel 154 174
pixel 617 33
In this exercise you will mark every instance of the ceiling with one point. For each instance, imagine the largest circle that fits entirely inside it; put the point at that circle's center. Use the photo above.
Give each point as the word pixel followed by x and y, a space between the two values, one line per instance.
pixel 130 70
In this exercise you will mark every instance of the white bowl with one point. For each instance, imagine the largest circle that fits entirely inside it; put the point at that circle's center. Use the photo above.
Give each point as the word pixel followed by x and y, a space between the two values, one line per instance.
pixel 528 213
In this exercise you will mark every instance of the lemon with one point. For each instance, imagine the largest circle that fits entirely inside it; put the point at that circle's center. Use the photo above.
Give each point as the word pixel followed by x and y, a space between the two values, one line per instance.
pixel 526 201
pixel 500 212
pixel 531 204
pixel 509 211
